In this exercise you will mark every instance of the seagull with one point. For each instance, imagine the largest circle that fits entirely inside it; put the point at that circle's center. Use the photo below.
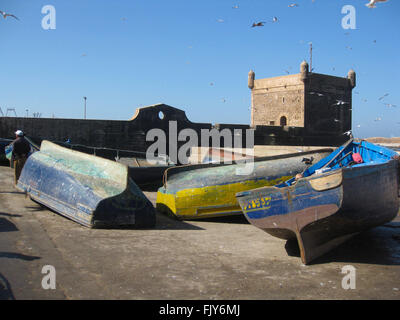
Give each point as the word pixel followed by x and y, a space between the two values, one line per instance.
pixel 5 15
pixel 348 133
pixel 336 120
pixel 274 19
pixel 293 5
pixel 220 20
pixel 235 7
pixel 390 105
pixel 317 93
pixel 258 24
pixel 385 95
pixel 340 103
pixel 378 119
pixel 371 3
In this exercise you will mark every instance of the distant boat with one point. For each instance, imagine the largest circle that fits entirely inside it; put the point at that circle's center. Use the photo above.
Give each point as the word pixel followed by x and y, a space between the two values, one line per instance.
pixel 6 148
pixel 353 189
pixel 208 190
pixel 90 190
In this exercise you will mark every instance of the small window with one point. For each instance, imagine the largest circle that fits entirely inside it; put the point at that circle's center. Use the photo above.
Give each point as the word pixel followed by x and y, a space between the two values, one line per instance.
pixel 283 121
pixel 283 99
pixel 272 123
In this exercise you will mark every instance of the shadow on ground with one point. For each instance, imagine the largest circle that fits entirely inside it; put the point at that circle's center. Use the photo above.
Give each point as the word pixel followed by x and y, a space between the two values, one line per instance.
pixel 5 289
pixel 10 215
pixel 380 245
pixel 7 226
pixel 15 255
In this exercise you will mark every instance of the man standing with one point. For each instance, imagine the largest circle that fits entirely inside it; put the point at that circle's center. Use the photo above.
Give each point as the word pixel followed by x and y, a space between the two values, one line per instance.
pixel 20 153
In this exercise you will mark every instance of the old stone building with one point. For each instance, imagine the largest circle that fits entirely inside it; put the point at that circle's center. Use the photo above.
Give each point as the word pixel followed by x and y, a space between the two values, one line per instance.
pixel 321 104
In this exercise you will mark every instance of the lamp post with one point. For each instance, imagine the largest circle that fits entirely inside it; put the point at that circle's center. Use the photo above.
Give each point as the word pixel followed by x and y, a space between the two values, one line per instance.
pixel 85 107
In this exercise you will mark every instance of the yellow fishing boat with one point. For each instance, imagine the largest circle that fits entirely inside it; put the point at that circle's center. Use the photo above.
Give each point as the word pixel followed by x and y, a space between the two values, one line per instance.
pixel 208 190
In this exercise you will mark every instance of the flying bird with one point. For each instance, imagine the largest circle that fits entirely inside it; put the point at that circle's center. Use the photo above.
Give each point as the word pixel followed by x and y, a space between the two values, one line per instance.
pixel 274 19
pixel 390 105
pixel 317 93
pixel 385 95
pixel 293 5
pixel 5 15
pixel 258 24
pixel 348 133
pixel 378 119
pixel 235 7
pixel 371 3
pixel 340 103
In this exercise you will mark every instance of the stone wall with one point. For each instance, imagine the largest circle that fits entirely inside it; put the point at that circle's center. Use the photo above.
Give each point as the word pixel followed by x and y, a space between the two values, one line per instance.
pixel 131 134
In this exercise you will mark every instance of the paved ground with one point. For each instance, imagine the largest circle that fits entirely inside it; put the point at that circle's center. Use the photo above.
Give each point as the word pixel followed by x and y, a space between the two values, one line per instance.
pixel 209 259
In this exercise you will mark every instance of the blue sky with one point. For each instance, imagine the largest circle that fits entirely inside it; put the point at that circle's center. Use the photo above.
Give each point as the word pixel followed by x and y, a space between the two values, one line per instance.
pixel 123 54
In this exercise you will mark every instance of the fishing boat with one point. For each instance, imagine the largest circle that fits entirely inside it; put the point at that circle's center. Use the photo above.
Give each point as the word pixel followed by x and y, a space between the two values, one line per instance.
pixel 90 190
pixel 353 189
pixel 4 150
pixel 208 190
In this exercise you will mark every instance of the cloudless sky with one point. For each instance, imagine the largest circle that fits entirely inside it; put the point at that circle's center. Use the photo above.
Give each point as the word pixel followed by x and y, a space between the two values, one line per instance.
pixel 124 54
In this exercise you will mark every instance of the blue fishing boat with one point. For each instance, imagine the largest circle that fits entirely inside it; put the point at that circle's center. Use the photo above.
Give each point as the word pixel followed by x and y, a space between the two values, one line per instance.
pixel 90 190
pixel 353 189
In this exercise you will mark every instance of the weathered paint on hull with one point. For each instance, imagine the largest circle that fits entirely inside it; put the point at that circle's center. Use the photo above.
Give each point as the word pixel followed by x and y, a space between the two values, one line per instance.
pixel 324 211
pixel 92 191
pixel 201 191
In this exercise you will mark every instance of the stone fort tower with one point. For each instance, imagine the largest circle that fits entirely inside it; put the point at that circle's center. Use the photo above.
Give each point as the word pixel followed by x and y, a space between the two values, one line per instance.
pixel 319 103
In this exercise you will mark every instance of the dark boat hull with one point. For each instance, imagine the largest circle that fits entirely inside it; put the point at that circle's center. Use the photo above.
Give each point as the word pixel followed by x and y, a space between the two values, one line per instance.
pixel 324 211
pixel 92 191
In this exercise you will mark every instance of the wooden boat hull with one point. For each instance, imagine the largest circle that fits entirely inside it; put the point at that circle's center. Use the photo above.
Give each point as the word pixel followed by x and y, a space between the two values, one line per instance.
pixel 322 211
pixel 208 190
pixel 90 190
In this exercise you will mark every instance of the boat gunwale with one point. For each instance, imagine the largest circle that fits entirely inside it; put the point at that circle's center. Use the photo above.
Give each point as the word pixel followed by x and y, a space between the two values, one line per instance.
pixel 187 167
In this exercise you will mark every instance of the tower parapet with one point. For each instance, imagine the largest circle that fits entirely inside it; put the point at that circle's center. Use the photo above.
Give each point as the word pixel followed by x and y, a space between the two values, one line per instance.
pixel 251 79
pixel 352 77
pixel 304 70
